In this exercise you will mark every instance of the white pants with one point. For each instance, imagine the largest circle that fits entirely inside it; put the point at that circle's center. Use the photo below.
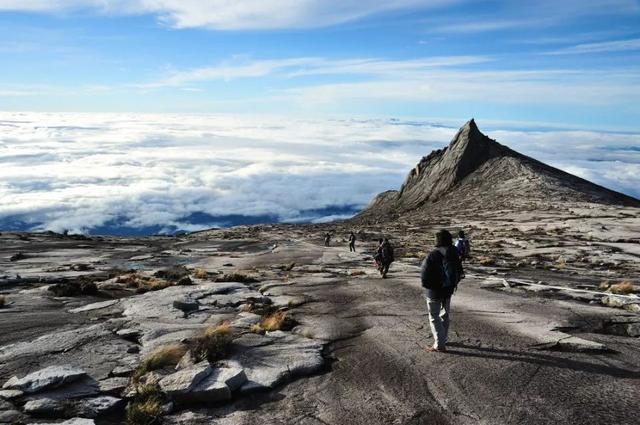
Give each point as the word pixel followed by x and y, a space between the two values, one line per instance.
pixel 439 320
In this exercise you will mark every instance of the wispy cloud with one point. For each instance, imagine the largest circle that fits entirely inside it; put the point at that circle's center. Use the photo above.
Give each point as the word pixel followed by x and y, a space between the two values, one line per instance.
pixel 600 47
pixel 233 15
pixel 305 66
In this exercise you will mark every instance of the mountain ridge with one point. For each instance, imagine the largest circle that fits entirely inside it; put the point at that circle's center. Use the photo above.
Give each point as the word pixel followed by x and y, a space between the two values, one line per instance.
pixel 479 171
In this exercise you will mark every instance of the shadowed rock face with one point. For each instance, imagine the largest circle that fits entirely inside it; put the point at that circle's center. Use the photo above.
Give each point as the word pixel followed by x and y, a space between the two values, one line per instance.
pixel 480 171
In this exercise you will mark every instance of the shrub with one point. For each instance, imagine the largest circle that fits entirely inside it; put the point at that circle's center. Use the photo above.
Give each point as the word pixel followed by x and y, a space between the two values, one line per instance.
pixel 200 273
pixel 623 288
pixel 167 355
pixel 3 300
pixel 213 344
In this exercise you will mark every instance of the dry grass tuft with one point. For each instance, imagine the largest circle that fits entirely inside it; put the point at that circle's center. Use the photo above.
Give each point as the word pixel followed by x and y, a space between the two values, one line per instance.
pixel 256 329
pixel 237 277
pixel 146 408
pixel 200 273
pixel 623 288
pixel 246 308
pixel 604 285
pixel 486 261
pixel 168 355
pixel 143 283
pixel 357 273
pixel 273 322
pixel 213 344
pixel 147 412
pixel 414 254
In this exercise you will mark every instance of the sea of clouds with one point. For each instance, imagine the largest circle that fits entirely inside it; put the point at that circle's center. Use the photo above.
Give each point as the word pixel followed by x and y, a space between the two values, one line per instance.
pixel 141 174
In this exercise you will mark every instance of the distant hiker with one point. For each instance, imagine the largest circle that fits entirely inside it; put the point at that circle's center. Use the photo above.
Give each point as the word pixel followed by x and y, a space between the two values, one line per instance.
pixel 327 239
pixel 440 273
pixel 377 258
pixel 463 246
pixel 352 242
pixel 385 255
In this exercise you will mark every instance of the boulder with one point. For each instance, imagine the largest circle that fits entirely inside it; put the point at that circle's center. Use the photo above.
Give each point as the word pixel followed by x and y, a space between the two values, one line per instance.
pixel 44 407
pixel 186 304
pixel 95 407
pixel 9 394
pixel 84 387
pixel 185 380
pixel 129 334
pixel 48 377
pixel 633 329
pixel 113 386
pixel 183 281
pixel 10 417
pixel 634 308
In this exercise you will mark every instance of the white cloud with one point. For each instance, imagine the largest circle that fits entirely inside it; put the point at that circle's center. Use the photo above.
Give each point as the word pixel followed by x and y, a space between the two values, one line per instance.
pixel 600 47
pixel 78 171
pixel 233 14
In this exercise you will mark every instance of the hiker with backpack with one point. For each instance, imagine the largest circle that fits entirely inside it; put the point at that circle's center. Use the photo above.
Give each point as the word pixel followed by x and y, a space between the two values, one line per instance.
pixel 352 242
pixel 386 257
pixel 440 273
pixel 463 246
pixel 327 239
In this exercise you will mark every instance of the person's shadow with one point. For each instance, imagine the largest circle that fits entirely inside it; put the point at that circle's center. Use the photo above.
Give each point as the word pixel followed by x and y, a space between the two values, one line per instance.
pixel 540 359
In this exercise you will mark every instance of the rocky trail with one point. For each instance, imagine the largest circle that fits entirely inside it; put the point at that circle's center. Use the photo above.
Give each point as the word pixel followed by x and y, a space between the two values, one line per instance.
pixel 353 352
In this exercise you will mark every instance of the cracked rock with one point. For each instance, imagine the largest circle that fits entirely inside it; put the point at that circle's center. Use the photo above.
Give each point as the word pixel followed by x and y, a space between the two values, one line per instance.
pixel 48 377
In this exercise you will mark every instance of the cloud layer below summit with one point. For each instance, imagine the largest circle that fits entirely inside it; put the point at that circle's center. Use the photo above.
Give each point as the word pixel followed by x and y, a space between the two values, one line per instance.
pixel 81 172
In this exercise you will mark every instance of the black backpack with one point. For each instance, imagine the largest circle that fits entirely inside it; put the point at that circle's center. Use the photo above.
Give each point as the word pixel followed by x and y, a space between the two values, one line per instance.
pixel 446 271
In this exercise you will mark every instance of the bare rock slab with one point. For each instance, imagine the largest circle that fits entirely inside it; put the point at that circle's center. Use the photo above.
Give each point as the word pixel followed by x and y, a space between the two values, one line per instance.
pixel 94 306
pixel 220 384
pixel 184 380
pixel 272 359
pixel 52 376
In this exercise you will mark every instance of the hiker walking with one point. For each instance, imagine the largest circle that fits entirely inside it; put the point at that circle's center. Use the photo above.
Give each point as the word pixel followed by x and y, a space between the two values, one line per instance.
pixel 327 239
pixel 440 273
pixel 385 255
pixel 352 242
pixel 463 246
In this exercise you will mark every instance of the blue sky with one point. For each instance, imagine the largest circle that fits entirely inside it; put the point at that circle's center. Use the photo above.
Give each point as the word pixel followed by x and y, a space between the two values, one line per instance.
pixel 572 64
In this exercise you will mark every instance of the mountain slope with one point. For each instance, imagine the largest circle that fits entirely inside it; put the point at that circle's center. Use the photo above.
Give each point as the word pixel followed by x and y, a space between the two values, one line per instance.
pixel 479 172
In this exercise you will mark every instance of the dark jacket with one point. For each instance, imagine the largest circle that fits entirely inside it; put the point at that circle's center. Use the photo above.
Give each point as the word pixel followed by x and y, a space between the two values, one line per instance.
pixel 431 272
pixel 385 253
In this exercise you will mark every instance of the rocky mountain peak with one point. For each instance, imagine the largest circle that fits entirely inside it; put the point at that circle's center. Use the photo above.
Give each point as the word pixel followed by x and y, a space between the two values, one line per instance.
pixel 442 169
pixel 476 169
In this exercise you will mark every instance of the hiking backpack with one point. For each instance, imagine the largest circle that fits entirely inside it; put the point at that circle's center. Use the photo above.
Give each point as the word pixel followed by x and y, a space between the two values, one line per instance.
pixel 450 271
pixel 463 247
